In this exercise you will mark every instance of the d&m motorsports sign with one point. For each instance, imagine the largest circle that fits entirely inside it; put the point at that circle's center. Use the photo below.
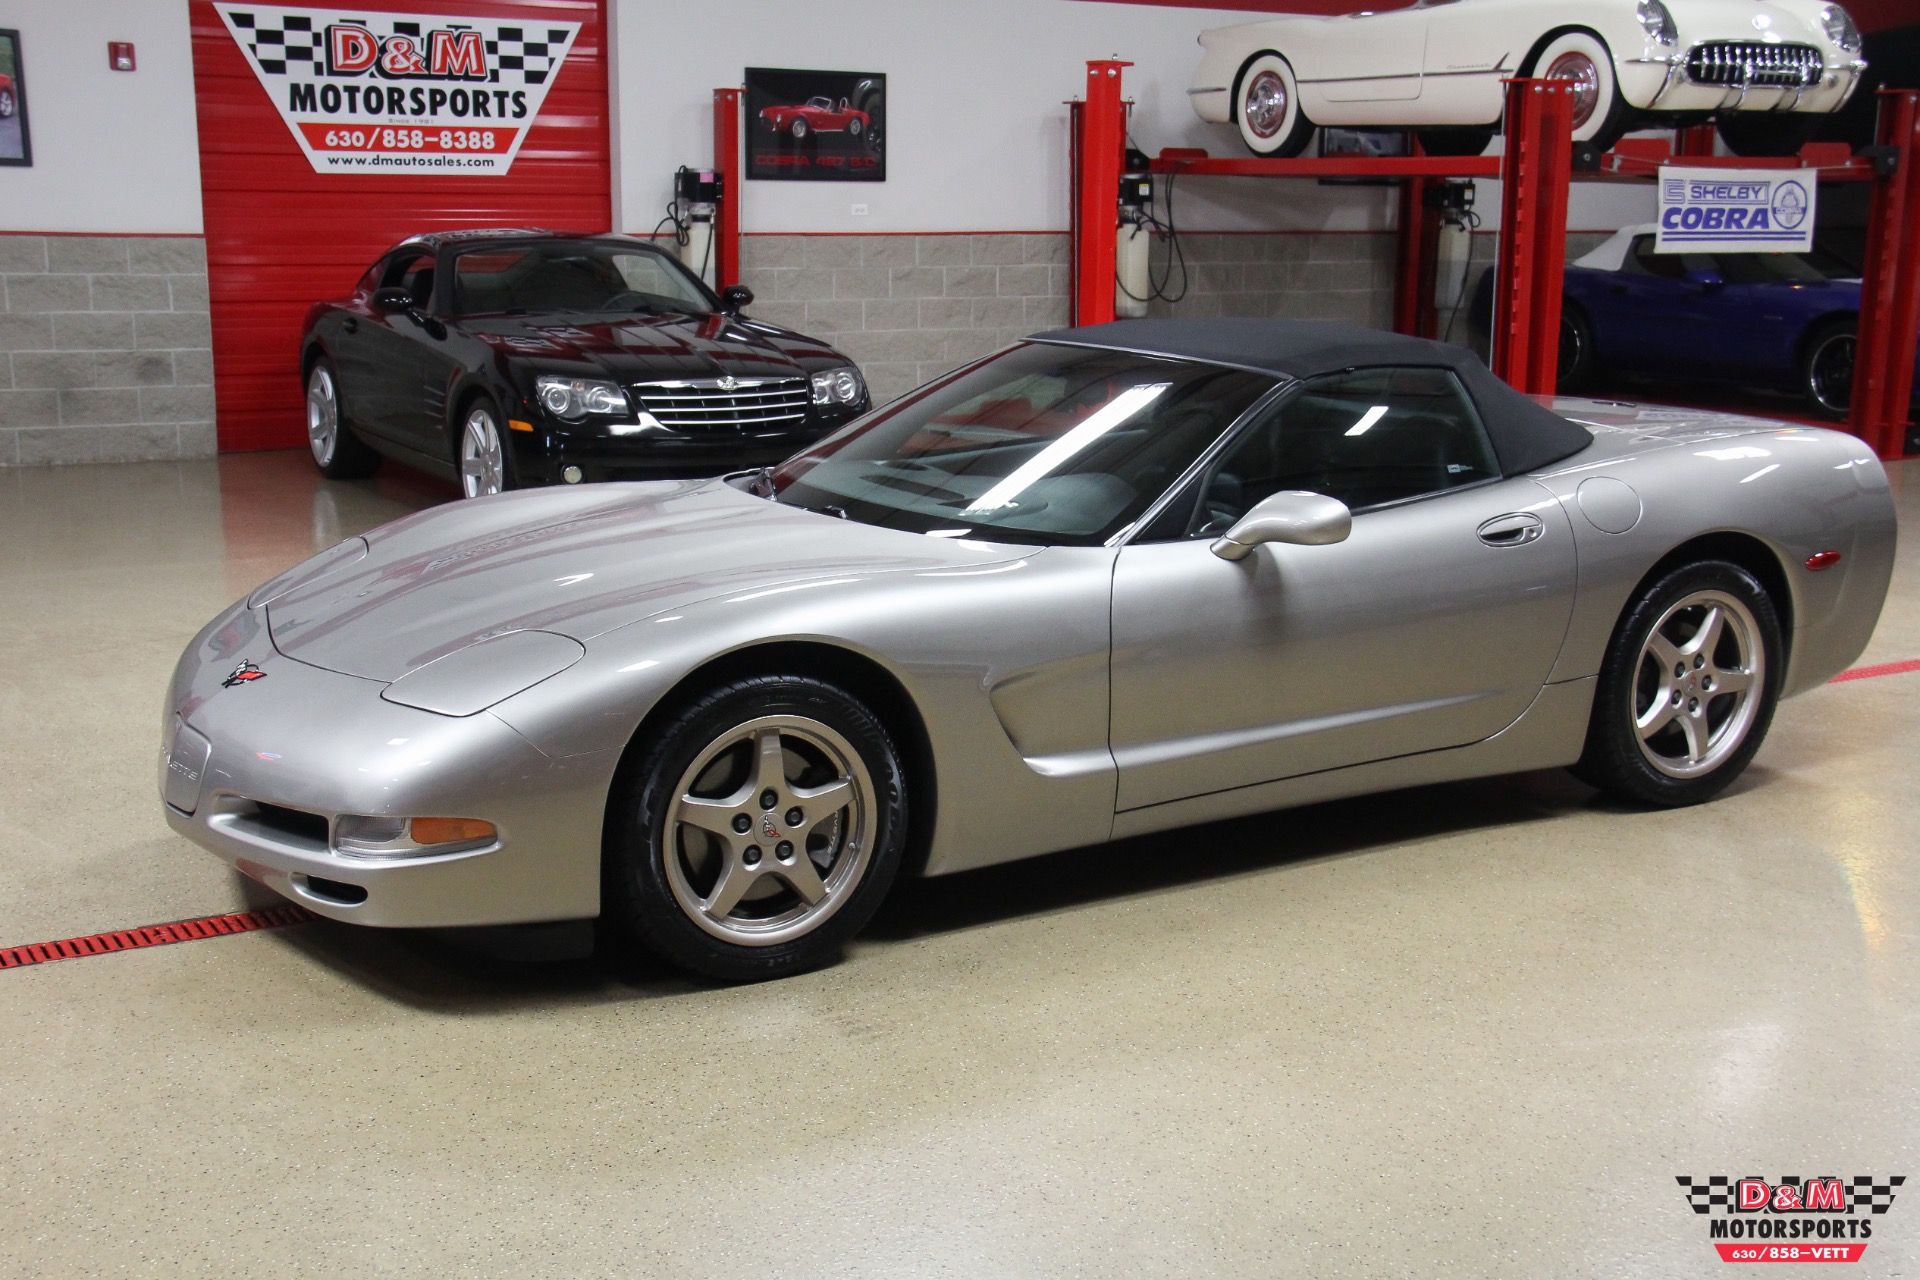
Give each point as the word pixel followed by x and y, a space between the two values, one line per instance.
pixel 401 93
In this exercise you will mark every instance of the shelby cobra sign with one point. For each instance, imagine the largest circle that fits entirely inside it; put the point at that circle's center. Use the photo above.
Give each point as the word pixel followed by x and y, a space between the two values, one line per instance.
pixel 1735 211
pixel 401 93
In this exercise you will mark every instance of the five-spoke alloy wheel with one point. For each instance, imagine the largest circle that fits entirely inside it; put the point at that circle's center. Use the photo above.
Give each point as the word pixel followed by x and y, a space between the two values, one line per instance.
pixel 1687 689
pixel 483 454
pixel 337 451
pixel 758 830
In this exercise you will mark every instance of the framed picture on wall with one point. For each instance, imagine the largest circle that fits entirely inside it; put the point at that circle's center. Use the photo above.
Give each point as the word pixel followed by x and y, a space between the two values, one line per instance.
pixel 15 145
pixel 816 126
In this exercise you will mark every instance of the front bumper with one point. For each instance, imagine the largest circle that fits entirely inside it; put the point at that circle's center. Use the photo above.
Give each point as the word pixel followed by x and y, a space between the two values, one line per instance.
pixel 541 456
pixel 299 745
pixel 1661 84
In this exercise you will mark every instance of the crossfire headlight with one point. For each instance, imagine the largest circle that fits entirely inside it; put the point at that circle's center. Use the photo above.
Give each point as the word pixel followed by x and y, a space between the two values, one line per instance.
pixel 840 386
pixel 571 399
pixel 1839 27
pixel 1656 22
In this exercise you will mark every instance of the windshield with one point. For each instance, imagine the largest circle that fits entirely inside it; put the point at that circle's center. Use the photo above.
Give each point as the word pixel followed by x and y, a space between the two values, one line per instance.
pixel 573 275
pixel 1039 444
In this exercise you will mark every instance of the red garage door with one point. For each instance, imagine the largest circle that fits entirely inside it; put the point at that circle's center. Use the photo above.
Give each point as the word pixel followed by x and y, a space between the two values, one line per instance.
pixel 396 106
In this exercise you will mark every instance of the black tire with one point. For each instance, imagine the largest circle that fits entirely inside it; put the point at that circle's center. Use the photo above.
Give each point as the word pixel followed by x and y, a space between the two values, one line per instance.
pixel 1576 348
pixel 336 450
pixel 660 870
pixel 798 128
pixel 1826 368
pixel 7 107
pixel 1685 756
pixel 1765 134
pixel 1456 142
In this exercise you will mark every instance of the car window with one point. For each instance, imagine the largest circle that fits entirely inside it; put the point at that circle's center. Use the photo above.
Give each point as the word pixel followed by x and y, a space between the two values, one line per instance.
pixel 573 275
pixel 1667 266
pixel 412 272
pixel 1038 444
pixel 1782 268
pixel 1366 437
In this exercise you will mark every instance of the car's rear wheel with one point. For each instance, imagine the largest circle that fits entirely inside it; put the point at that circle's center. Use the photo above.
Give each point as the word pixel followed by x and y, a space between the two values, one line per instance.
pixel 485 465
pixel 1582 59
pixel 798 128
pixel 6 103
pixel 1576 348
pixel 337 451
pixel 854 127
pixel 1266 101
pixel 1826 368
pixel 1687 689
pixel 760 830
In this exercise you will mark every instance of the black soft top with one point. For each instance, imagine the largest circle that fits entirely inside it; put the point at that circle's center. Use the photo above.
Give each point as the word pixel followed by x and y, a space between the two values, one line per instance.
pixel 1525 434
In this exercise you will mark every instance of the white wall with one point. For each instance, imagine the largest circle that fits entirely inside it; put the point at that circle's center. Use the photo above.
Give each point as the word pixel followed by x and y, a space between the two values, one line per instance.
pixel 112 151
pixel 976 126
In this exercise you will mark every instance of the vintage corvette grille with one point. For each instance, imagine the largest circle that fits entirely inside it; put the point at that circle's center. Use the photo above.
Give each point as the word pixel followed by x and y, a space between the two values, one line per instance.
pixel 708 405
pixel 1750 64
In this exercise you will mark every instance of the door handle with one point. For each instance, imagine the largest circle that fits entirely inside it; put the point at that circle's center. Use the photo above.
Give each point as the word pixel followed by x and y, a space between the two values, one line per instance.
pixel 350 325
pixel 1514 529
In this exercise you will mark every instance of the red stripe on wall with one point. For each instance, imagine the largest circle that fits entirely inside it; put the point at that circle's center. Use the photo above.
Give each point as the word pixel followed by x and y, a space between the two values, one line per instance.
pixel 281 236
pixel 153 935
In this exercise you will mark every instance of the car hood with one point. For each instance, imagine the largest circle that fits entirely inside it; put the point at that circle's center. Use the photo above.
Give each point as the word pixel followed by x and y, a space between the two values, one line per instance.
pixel 638 348
pixel 573 561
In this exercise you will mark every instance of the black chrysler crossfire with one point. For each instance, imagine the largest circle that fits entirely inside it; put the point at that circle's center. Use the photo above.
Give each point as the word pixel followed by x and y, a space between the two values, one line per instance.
pixel 505 359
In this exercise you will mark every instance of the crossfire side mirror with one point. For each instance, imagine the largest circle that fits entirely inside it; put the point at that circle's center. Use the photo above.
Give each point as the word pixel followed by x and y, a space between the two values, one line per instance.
pixel 1291 516
pixel 735 297
pixel 393 300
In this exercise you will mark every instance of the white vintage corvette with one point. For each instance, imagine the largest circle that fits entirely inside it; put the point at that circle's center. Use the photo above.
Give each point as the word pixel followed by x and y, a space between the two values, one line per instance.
pixel 1764 70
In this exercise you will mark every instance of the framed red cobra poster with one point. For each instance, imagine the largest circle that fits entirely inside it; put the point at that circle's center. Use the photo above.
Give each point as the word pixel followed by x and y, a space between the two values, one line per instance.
pixel 16 146
pixel 816 126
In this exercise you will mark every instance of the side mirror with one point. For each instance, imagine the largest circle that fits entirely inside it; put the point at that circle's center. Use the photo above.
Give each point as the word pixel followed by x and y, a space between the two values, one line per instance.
pixel 393 300
pixel 734 297
pixel 1292 516
pixel 1708 281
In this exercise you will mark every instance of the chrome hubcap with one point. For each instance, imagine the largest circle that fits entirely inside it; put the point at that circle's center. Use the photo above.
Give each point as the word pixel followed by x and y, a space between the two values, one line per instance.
pixel 1266 104
pixel 1585 77
pixel 772 831
pixel 481 462
pixel 323 416
pixel 1830 373
pixel 1697 688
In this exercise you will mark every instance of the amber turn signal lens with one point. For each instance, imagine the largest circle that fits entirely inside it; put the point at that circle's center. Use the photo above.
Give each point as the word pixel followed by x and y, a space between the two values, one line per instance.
pixel 514 424
pixel 451 830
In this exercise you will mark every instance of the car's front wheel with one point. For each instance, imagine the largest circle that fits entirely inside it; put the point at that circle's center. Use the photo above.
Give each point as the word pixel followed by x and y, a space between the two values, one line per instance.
pixel 759 831
pixel 798 128
pixel 1687 689
pixel 485 467
pixel 340 454
pixel 1582 60
pixel 1266 107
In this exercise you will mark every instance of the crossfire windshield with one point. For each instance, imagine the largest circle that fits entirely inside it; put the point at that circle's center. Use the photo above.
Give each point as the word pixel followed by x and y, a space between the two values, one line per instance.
pixel 573 275
pixel 1040 444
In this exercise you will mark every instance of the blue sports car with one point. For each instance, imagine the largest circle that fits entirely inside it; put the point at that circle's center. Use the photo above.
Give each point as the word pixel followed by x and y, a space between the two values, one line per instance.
pixel 1783 321
pixel 1780 320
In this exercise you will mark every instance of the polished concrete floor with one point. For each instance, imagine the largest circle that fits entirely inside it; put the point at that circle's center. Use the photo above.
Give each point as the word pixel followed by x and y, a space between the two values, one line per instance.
pixel 1459 1031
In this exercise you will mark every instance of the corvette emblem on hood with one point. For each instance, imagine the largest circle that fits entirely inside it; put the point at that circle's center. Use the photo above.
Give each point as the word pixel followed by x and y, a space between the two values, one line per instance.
pixel 245 673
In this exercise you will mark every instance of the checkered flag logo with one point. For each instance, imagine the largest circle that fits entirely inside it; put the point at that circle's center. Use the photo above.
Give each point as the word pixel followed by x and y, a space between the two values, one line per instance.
pixel 1865 1192
pixel 277 38
pixel 1704 1196
pixel 284 42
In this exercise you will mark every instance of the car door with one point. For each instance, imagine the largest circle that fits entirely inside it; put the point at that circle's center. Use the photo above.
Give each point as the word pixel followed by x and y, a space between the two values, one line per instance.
pixel 1367 57
pixel 1468 48
pixel 1636 310
pixel 1433 625
pixel 389 354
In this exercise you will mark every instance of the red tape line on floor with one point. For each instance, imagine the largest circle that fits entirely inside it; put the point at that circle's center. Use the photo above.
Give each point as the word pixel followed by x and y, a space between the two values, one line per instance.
pixel 153 935
pixel 1884 669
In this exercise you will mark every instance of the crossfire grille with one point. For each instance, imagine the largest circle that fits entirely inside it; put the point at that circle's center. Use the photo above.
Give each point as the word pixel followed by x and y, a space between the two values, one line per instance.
pixel 706 405
pixel 1750 64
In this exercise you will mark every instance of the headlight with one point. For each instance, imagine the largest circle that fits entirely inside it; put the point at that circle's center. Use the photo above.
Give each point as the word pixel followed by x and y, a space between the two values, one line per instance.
pixel 1656 22
pixel 571 399
pixel 1839 27
pixel 838 386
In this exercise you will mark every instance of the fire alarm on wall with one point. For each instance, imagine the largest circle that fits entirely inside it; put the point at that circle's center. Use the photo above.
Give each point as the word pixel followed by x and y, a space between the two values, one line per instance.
pixel 120 55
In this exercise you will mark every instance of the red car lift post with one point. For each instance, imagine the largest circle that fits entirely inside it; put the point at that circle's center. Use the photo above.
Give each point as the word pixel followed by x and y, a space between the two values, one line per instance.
pixel 1102 148
pixel 1889 327
pixel 726 163
pixel 1534 177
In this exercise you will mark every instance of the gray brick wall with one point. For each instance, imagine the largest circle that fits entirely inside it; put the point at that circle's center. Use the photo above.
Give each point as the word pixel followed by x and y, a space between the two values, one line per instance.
pixel 909 308
pixel 105 353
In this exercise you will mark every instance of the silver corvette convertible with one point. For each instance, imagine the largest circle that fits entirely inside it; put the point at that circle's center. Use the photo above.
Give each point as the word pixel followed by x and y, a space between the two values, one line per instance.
pixel 1107 581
